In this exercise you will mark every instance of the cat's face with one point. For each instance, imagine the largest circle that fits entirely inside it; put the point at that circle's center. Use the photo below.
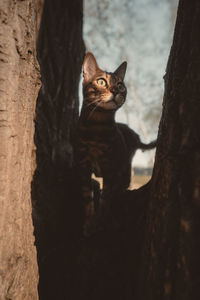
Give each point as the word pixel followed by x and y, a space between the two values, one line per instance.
pixel 102 89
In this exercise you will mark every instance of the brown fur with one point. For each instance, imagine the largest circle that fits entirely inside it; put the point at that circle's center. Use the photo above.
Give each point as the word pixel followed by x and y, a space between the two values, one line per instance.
pixel 103 146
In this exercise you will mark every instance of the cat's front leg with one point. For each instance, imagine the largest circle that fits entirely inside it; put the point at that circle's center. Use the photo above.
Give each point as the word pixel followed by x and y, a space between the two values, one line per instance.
pixel 105 202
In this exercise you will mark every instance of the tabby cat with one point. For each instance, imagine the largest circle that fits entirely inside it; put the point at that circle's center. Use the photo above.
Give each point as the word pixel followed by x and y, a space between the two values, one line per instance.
pixel 104 147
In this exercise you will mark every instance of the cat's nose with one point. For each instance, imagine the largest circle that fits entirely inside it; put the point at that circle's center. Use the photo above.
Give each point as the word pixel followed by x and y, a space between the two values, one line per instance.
pixel 114 91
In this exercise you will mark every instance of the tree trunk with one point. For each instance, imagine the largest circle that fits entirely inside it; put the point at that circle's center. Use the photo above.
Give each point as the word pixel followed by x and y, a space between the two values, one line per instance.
pixel 19 85
pixel 56 210
pixel 155 252
pixel 170 258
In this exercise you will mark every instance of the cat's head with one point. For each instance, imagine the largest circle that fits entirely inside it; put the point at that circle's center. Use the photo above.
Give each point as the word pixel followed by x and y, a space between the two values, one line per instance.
pixel 102 89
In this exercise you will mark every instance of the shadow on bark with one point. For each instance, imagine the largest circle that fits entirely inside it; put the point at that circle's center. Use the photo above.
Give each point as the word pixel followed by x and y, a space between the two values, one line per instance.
pixel 56 203
pixel 154 253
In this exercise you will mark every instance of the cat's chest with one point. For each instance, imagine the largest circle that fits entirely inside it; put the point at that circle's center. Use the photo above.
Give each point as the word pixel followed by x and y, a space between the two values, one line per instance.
pixel 99 148
pixel 99 151
pixel 105 154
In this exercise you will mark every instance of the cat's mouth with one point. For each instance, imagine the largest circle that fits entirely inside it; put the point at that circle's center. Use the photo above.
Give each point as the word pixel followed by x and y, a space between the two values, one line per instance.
pixel 112 102
pixel 108 97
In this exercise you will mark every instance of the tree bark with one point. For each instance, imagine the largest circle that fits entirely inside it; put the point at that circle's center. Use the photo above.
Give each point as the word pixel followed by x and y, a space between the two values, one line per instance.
pixel 155 252
pixel 56 210
pixel 19 85
pixel 170 266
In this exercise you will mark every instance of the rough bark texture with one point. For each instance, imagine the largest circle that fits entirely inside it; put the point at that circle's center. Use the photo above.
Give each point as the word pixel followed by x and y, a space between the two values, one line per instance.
pixel 56 210
pixel 170 259
pixel 153 253
pixel 19 84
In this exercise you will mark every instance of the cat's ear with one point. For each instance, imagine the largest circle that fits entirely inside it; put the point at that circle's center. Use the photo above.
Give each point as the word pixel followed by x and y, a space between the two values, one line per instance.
pixel 90 66
pixel 121 70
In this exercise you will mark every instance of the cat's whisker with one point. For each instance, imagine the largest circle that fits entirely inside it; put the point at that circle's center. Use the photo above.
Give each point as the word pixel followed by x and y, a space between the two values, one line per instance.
pixel 93 110
pixel 93 102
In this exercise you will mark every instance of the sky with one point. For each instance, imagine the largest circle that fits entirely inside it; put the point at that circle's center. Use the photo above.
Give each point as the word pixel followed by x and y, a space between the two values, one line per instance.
pixel 141 32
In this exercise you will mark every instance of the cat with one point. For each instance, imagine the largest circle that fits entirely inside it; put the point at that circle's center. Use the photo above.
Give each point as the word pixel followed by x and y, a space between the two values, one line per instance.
pixel 104 147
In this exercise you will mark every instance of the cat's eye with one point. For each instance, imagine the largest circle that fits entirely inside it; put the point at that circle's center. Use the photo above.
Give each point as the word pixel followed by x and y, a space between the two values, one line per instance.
pixel 121 87
pixel 101 82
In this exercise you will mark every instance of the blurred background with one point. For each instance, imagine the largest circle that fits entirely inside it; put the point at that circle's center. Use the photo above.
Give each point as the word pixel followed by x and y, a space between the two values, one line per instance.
pixel 139 31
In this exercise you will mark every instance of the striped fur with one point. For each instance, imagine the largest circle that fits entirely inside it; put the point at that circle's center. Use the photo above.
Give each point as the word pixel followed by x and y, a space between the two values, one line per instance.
pixel 103 146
